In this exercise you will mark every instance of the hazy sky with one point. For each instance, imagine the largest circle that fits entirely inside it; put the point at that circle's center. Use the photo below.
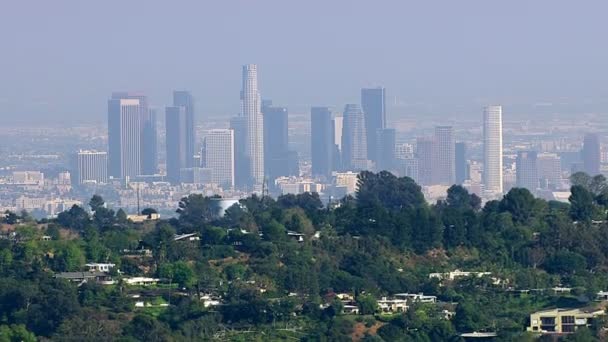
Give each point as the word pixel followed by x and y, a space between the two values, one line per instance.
pixel 61 59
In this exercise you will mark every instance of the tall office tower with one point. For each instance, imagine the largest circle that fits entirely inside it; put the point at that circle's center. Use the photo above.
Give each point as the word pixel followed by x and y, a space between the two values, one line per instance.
pixel 219 156
pixel 276 142
pixel 176 125
pixel 184 99
pixel 462 167
pixel 125 137
pixel 241 162
pixel 527 170
pixel 492 149
pixel 252 111
pixel 354 139
pixel 409 167
pixel 445 149
pixel 338 127
pixel 149 152
pixel 591 154
pixel 550 170
pixel 148 163
pixel 385 149
pixel 373 102
pixel 91 167
pixel 426 155
pixel 321 142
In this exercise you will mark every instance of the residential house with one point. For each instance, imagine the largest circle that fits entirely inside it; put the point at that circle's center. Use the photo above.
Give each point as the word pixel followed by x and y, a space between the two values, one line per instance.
pixel 561 321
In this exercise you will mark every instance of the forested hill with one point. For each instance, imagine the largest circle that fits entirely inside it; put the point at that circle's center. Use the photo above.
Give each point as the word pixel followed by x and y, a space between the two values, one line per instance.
pixel 293 269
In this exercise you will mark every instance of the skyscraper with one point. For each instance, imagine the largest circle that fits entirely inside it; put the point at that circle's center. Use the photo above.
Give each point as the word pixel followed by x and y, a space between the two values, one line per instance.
pixel 124 137
pixel 591 154
pixel 251 110
pixel 426 155
pixel 527 170
pixel 550 170
pixel 373 102
pixel 219 156
pixel 127 121
pixel 354 139
pixel 385 149
pixel 176 125
pixel 149 152
pixel 461 166
pixel 241 162
pixel 321 141
pixel 445 145
pixel 184 99
pixel 276 142
pixel 91 167
pixel 492 149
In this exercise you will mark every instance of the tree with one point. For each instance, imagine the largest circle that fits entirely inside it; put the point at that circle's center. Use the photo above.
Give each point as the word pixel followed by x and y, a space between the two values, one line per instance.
pixel 367 304
pixel 146 328
pixel 520 203
pixel 96 203
pixel 76 218
pixel 16 333
pixel 121 216
pixel 87 329
pixel 196 209
pixel 582 207
pixel 10 217
pixel 149 212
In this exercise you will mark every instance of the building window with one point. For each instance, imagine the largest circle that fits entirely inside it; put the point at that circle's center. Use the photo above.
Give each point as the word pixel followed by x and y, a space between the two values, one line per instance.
pixel 547 320
pixel 568 328
pixel 567 319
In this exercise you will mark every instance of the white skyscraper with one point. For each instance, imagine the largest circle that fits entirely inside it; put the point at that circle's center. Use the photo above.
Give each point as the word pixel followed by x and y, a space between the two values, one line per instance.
pixel 252 111
pixel 125 135
pixel 492 149
pixel 219 156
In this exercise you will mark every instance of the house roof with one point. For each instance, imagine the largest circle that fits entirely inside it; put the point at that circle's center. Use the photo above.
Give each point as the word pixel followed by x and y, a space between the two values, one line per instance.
pixel 79 275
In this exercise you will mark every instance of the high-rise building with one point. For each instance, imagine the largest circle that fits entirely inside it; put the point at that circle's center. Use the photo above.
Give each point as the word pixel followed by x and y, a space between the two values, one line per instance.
pixel 148 136
pixel 527 170
pixel 550 170
pixel 338 127
pixel 125 137
pixel 409 167
pixel 176 125
pixel 149 152
pixel 591 154
pixel 184 99
pixel 276 142
pixel 219 156
pixel 354 139
pixel 91 167
pixel 462 167
pixel 385 149
pixel 241 162
pixel 321 142
pixel 252 111
pixel 373 103
pixel 445 149
pixel 426 155
pixel 492 149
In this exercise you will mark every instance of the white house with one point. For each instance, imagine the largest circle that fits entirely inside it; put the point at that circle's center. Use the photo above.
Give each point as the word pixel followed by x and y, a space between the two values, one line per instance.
pixel 99 267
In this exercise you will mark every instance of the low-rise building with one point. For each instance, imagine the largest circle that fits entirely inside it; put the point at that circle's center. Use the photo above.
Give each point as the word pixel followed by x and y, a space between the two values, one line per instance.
pixel 416 297
pixel 99 267
pixel 392 305
pixel 560 321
